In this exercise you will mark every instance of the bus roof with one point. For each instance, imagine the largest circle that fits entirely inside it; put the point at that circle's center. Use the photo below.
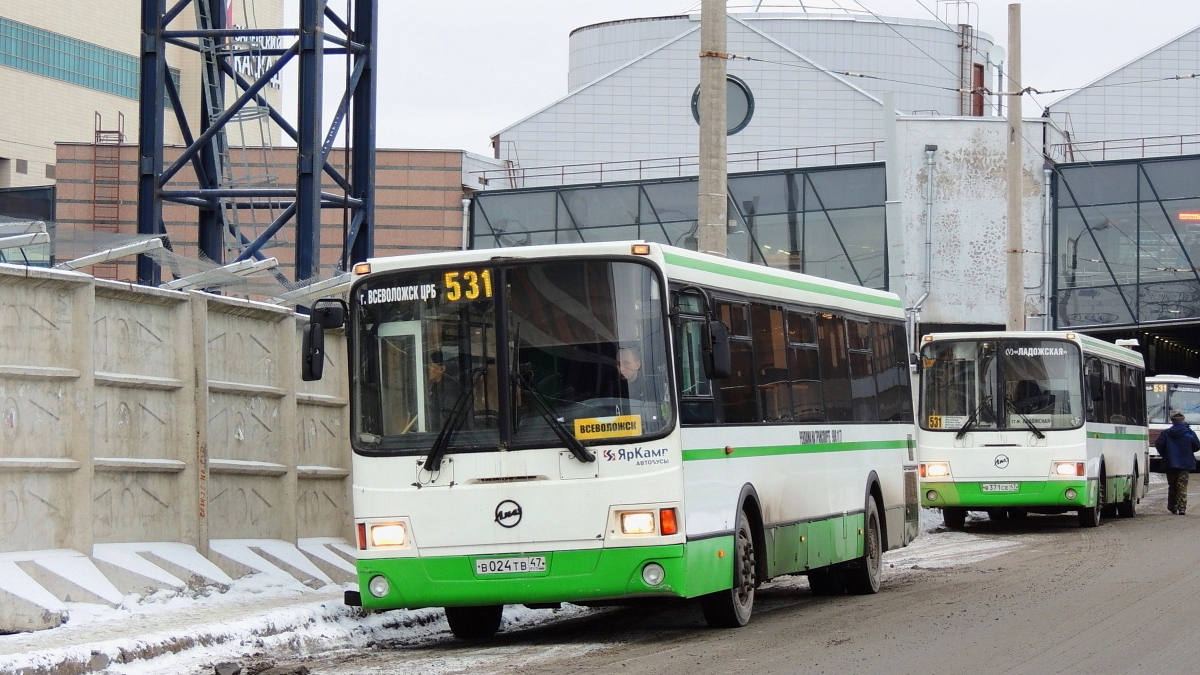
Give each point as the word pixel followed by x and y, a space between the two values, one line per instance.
pixel 686 266
pixel 1176 379
pixel 1089 344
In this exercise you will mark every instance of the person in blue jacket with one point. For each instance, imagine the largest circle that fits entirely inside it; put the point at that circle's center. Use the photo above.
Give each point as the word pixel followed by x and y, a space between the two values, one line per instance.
pixel 1176 445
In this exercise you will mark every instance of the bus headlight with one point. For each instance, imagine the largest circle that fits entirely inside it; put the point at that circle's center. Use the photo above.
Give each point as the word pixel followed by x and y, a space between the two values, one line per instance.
pixel 637 522
pixel 379 586
pixel 935 470
pixel 388 535
pixel 1070 494
pixel 1069 468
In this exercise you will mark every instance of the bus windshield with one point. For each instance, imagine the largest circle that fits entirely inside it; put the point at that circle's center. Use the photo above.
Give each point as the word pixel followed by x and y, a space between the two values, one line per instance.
pixel 510 355
pixel 1001 385
pixel 1164 398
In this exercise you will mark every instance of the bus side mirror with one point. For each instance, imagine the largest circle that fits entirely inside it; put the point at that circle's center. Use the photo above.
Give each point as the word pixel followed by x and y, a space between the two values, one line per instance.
pixel 328 313
pixel 1095 383
pixel 717 362
pixel 312 352
pixel 325 313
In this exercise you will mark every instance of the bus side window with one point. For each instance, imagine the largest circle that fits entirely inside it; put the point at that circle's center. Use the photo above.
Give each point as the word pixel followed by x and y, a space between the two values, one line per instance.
pixel 696 404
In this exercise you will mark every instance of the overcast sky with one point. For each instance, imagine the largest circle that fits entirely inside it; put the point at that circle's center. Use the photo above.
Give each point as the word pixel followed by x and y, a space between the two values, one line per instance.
pixel 454 72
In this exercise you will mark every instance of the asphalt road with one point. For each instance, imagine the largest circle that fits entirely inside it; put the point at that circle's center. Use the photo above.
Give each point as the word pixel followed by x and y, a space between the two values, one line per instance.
pixel 1051 598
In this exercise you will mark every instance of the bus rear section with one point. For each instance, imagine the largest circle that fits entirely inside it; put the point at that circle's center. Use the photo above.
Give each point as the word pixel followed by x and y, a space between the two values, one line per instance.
pixel 1013 423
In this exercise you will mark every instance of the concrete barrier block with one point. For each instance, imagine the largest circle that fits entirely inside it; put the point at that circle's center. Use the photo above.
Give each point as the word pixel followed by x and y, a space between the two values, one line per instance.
pixel 130 572
pixel 185 563
pixel 24 604
pixel 325 554
pixel 273 557
pixel 71 576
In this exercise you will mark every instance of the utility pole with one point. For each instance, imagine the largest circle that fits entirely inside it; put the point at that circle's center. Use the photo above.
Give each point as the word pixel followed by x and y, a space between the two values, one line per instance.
pixel 711 211
pixel 1015 272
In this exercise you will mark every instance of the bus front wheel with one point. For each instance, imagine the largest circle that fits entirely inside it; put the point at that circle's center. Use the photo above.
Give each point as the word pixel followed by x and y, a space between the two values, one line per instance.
pixel 1091 517
pixel 731 608
pixel 474 623
pixel 954 517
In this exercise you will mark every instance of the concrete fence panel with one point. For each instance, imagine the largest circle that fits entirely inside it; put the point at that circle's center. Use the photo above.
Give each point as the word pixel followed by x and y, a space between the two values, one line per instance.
pixel 144 430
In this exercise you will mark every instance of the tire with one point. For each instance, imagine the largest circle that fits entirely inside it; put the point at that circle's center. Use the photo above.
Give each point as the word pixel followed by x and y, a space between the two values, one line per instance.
pixel 867 572
pixel 474 623
pixel 731 608
pixel 1091 517
pixel 1128 508
pixel 826 581
pixel 955 517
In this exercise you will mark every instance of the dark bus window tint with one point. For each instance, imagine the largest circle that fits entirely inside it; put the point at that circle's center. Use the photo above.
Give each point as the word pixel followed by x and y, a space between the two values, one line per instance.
pixel 737 391
pixel 800 329
pixel 770 356
pixel 891 372
pixel 734 316
pixel 858 334
pixel 835 368
pixel 808 404
pixel 862 387
pixel 1095 408
pixel 1112 394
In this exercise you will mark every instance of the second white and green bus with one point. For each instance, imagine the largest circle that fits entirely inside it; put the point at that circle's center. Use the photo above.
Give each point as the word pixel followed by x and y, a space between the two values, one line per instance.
pixel 499 459
pixel 1016 422
pixel 1167 394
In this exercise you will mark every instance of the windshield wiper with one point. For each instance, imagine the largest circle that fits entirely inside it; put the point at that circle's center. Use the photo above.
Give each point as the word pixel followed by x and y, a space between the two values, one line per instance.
pixel 454 420
pixel 1028 422
pixel 962 431
pixel 581 453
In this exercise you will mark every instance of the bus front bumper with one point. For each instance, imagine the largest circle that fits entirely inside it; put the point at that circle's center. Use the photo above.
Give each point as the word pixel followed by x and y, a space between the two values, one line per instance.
pixel 689 570
pixel 990 494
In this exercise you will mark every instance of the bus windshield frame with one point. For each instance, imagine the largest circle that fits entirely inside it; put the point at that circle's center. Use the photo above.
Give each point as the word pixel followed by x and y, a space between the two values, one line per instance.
pixel 1007 384
pixel 509 355
pixel 1164 398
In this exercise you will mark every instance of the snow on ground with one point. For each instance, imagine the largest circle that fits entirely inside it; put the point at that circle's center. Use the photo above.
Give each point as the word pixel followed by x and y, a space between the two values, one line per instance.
pixel 186 632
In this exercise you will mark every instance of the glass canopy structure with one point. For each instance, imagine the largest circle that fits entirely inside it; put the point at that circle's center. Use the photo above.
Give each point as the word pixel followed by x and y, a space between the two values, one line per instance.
pixel 826 221
pixel 1127 239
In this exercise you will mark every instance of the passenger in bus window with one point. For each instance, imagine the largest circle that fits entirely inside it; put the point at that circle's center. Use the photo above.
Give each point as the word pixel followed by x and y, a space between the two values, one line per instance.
pixel 1176 445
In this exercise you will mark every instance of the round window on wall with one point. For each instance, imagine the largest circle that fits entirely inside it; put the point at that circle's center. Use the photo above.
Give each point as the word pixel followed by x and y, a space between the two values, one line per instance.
pixel 739 104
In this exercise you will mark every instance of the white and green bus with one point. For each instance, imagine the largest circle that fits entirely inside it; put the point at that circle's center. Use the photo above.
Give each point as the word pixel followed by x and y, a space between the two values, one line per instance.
pixel 1166 394
pixel 499 456
pixel 1018 422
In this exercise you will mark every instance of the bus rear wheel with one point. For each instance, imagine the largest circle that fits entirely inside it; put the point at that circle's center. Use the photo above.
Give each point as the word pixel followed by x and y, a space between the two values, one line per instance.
pixel 954 517
pixel 864 578
pixel 731 608
pixel 474 623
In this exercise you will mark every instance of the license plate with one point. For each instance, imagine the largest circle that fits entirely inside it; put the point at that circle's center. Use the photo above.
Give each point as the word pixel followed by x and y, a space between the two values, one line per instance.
pixel 535 563
pixel 1001 487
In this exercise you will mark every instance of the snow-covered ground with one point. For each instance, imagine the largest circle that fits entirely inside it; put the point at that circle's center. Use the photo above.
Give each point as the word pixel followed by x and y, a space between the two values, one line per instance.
pixel 187 632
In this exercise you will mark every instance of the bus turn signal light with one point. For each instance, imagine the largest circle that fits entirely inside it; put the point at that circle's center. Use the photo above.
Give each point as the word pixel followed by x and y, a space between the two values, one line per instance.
pixel 667 522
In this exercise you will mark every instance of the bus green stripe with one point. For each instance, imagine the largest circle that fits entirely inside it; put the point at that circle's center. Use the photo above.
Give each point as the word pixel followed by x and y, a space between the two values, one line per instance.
pixel 808 286
pixel 1145 438
pixel 701 454
pixel 1111 349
